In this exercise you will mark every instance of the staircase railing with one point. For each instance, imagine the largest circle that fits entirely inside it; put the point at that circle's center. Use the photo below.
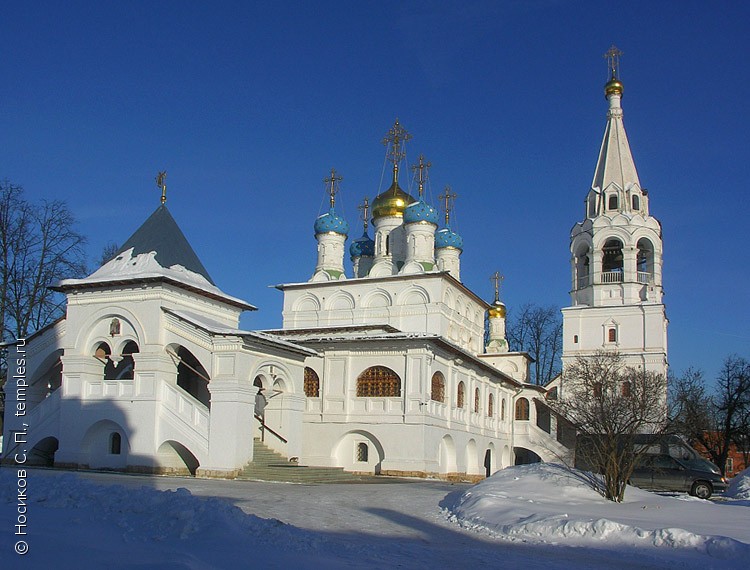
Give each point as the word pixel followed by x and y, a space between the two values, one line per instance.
pixel 264 428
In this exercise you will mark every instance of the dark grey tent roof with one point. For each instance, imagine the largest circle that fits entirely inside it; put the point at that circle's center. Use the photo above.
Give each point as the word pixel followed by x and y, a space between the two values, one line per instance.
pixel 160 233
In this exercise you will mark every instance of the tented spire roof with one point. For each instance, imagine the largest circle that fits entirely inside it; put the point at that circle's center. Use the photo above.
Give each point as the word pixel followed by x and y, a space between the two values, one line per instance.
pixel 615 164
pixel 160 233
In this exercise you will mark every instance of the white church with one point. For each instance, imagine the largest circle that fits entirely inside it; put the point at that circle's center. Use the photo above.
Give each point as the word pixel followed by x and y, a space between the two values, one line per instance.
pixel 387 370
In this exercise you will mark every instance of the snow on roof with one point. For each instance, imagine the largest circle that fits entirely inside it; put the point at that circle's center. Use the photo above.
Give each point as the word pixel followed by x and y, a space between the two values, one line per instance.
pixel 161 234
pixel 129 266
pixel 218 328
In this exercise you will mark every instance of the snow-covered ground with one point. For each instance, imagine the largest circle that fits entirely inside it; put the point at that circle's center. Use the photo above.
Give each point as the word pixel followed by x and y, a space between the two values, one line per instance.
pixel 538 516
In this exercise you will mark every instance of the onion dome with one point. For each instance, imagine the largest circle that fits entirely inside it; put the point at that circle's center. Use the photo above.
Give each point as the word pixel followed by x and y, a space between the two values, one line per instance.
pixel 392 202
pixel 613 87
pixel 331 222
pixel 420 211
pixel 362 246
pixel 448 238
pixel 497 309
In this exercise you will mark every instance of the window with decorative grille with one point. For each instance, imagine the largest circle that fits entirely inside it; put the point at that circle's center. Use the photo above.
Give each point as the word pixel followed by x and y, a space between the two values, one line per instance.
pixel 438 387
pixel 490 405
pixel 312 383
pixel 460 395
pixel 379 382
pixel 362 452
pixel 477 404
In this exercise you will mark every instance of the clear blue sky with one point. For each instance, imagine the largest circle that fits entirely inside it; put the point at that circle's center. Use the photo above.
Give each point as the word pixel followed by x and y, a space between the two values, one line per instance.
pixel 248 105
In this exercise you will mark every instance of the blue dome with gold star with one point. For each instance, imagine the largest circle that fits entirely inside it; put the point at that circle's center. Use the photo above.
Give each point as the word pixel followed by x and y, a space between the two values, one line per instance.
pixel 331 222
pixel 420 211
pixel 448 238
pixel 362 246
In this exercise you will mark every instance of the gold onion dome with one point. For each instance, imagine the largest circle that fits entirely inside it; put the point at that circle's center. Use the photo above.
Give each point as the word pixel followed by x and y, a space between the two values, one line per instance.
pixel 497 309
pixel 613 86
pixel 392 202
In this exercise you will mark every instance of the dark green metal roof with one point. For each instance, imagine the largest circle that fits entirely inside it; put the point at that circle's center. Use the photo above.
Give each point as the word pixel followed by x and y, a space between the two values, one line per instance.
pixel 160 233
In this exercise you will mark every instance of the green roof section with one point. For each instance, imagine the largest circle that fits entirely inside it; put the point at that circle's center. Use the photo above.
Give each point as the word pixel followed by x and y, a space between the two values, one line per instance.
pixel 160 233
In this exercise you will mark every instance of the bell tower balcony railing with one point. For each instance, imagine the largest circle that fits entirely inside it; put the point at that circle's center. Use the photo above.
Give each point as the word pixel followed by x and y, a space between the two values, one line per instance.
pixel 643 277
pixel 611 277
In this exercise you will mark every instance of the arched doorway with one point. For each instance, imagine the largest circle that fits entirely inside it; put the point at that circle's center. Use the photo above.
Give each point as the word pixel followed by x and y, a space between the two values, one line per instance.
pixel 192 375
pixel 525 456
pixel 43 453
pixel 176 459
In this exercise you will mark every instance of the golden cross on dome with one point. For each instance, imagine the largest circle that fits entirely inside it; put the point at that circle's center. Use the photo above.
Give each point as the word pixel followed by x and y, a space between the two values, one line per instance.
pixel 396 137
pixel 498 279
pixel 160 178
pixel 448 199
pixel 613 61
pixel 332 182
pixel 364 207
pixel 421 170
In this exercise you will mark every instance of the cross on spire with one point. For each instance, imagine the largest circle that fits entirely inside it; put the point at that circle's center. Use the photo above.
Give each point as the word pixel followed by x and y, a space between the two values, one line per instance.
pixel 332 182
pixel 448 199
pixel 421 170
pixel 394 141
pixel 160 178
pixel 364 207
pixel 613 61
pixel 497 278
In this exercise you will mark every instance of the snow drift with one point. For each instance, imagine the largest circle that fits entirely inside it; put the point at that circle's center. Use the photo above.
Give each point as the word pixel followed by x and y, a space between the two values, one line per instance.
pixel 525 502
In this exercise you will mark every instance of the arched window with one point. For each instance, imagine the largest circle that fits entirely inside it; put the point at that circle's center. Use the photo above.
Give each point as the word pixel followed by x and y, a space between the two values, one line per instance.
pixel 490 405
pixel 502 410
pixel 477 403
pixel 192 376
pixel 378 382
pixel 645 260
pixel 115 443
pixel 460 393
pixel 582 267
pixel 312 383
pixel 612 334
pixel 636 202
pixel 612 261
pixel 437 392
pixel 362 452
pixel 612 203
pixel 625 389
pixel 125 368
pixel 522 409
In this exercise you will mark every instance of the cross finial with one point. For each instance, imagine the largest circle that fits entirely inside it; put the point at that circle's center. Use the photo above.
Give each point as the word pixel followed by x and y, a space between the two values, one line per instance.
pixel 160 178
pixel 448 199
pixel 396 137
pixel 421 170
pixel 497 279
pixel 613 61
pixel 332 182
pixel 364 207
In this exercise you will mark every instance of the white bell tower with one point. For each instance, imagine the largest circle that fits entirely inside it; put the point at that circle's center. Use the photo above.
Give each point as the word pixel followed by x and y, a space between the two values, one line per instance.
pixel 616 257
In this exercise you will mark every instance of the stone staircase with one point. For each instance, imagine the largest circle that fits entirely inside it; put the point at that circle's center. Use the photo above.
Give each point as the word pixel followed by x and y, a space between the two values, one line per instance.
pixel 268 465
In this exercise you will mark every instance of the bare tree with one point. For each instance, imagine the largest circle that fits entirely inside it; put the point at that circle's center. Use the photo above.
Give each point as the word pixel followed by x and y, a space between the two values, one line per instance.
pixel 714 419
pixel 611 405
pixel 108 253
pixel 538 331
pixel 38 245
